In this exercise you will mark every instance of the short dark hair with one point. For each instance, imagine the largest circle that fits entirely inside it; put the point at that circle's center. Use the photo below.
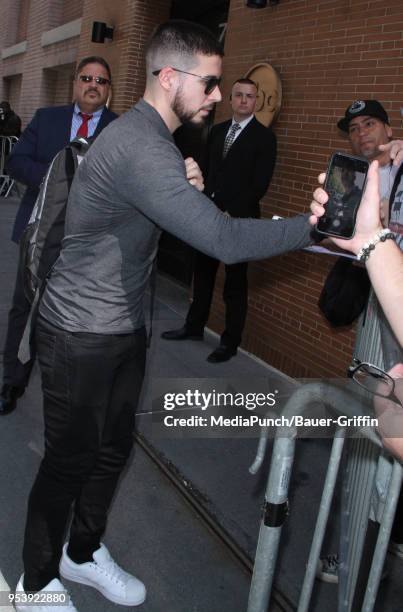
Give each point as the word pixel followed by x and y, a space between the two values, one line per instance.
pixel 244 81
pixel 93 59
pixel 182 39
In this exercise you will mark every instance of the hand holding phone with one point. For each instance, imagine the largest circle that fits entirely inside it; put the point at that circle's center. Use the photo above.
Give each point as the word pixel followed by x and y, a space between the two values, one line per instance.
pixel 345 183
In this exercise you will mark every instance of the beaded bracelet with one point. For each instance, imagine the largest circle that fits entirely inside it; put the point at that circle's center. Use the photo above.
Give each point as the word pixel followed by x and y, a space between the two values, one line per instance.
pixel 369 246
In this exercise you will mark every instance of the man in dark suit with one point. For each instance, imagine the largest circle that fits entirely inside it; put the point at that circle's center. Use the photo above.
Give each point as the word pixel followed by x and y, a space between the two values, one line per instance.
pixel 50 130
pixel 241 159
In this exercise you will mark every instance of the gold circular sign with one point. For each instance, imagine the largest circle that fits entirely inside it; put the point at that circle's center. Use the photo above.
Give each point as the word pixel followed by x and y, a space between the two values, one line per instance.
pixel 269 92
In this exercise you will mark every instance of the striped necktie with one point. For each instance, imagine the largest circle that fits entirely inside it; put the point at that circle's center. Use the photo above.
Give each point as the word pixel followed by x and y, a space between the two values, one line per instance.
pixel 83 129
pixel 229 139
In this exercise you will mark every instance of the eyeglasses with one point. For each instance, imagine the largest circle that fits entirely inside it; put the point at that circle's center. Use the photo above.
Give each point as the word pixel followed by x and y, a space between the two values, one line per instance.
pixel 374 380
pixel 211 81
pixel 87 78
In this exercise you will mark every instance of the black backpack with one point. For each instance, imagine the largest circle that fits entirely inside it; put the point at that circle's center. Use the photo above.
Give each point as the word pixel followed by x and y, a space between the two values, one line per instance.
pixel 345 293
pixel 41 241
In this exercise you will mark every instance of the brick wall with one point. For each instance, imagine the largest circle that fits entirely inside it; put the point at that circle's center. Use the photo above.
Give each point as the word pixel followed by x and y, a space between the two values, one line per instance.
pixel 39 86
pixel 64 84
pixel 73 9
pixel 10 10
pixel 133 21
pixel 328 53
pixel 22 23
pixel 57 85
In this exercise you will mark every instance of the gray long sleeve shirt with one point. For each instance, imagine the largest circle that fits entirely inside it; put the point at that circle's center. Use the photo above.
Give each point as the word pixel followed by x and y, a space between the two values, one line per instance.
pixel 132 183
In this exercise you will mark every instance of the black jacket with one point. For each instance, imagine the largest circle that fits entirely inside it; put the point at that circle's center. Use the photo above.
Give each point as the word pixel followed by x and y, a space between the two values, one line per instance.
pixel 239 181
pixel 46 135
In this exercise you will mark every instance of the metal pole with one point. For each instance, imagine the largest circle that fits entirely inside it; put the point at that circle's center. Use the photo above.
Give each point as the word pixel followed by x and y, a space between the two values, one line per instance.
pixel 274 514
pixel 383 538
pixel 323 516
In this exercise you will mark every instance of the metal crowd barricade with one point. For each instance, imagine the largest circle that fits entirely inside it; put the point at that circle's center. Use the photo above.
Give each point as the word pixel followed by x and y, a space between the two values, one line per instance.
pixel 367 473
pixel 357 507
pixel 6 182
pixel 340 401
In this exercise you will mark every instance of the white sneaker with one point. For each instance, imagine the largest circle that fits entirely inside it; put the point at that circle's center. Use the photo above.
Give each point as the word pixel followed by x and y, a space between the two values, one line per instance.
pixel 54 592
pixel 106 576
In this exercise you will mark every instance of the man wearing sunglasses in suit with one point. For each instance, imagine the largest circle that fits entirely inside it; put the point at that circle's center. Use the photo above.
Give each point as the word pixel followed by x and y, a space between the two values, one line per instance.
pixel 241 158
pixel 50 130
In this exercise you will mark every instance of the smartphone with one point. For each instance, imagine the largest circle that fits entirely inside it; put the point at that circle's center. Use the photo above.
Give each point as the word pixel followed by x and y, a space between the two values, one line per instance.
pixel 346 178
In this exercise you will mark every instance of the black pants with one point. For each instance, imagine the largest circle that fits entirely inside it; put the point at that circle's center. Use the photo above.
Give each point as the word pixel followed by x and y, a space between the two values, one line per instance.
pixel 14 372
pixel 91 385
pixel 235 297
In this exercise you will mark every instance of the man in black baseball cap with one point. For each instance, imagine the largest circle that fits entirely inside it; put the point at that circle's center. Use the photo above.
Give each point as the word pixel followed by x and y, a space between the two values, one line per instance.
pixel 359 108
pixel 367 124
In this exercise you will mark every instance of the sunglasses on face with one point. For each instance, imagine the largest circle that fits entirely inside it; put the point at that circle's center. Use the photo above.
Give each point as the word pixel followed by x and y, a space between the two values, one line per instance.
pixel 87 78
pixel 211 82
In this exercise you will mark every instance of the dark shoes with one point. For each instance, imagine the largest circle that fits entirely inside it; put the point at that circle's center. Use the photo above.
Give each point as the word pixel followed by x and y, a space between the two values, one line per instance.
pixel 8 398
pixel 221 353
pixel 181 334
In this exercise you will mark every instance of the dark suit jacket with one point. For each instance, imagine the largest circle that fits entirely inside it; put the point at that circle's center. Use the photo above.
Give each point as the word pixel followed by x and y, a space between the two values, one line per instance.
pixel 239 181
pixel 46 135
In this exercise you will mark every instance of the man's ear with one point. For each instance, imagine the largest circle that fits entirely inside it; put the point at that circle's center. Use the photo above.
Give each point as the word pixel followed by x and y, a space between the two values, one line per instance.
pixel 166 77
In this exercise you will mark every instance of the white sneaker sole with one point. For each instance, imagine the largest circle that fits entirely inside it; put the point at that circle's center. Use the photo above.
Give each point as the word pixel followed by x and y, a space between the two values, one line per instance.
pixel 69 574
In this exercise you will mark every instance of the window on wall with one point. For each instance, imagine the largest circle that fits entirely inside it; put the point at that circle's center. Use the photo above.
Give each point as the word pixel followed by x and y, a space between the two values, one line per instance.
pixel 22 21
pixel 12 91
pixel 61 12
pixel 57 85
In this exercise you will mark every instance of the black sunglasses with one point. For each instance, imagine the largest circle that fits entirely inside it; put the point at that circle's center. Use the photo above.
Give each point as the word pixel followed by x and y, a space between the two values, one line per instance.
pixel 211 81
pixel 87 78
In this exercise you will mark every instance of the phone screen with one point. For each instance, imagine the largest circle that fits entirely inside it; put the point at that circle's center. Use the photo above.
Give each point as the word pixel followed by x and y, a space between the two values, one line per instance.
pixel 345 183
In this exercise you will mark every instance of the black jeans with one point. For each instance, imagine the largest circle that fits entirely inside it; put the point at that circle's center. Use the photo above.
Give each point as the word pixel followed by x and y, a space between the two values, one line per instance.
pixel 91 385
pixel 14 372
pixel 235 295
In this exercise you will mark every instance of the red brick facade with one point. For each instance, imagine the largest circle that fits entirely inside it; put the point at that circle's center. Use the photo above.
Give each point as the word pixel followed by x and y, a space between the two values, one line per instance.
pixel 327 52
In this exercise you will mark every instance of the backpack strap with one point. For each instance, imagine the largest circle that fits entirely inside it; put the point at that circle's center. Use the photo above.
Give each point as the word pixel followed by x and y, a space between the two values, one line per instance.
pixel 24 349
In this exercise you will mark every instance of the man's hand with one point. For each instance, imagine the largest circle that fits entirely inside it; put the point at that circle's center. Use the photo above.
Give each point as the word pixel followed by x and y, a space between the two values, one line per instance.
pixel 395 150
pixel 368 216
pixel 194 174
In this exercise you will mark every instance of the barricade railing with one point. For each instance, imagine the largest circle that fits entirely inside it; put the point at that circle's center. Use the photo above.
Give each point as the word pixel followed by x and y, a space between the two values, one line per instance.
pixel 6 182
pixel 346 401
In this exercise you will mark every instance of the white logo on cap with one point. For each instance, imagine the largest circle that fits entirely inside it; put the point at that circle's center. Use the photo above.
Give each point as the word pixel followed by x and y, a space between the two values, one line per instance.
pixel 356 106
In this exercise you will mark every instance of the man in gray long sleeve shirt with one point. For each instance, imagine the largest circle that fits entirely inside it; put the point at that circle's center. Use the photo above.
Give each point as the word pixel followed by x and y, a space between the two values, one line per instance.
pixel 90 333
pixel 113 226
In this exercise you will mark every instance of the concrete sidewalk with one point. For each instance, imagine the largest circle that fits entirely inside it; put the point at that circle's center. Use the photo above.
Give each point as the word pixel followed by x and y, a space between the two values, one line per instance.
pixel 152 530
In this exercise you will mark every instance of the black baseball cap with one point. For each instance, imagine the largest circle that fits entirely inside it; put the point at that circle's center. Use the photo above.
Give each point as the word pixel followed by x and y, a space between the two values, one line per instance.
pixel 372 108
